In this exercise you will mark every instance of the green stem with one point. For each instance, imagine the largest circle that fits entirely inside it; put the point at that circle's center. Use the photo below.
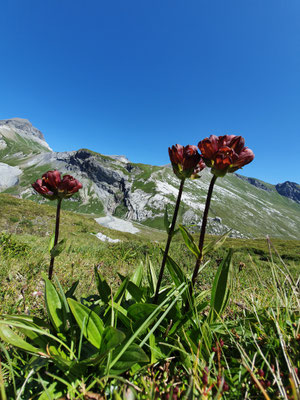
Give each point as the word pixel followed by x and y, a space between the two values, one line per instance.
pixel 202 233
pixel 170 235
pixel 50 273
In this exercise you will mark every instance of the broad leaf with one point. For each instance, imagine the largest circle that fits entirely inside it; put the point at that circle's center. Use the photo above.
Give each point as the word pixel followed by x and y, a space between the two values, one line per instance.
pixel 72 289
pixel 111 338
pixel 88 321
pixel 134 354
pixel 176 272
pixel 140 311
pixel 134 292
pixel 102 286
pixel 55 307
pixel 189 241
pixel 152 278
pixel 215 244
pixel 51 243
pixel 156 353
pixel 221 287
pixel 53 392
pixel 10 337
pixel 133 288
pixel 58 248
pixel 121 290
pixel 138 275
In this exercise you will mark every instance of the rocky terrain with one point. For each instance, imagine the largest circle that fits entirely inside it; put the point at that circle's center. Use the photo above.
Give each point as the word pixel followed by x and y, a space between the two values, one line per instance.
pixel 290 190
pixel 114 186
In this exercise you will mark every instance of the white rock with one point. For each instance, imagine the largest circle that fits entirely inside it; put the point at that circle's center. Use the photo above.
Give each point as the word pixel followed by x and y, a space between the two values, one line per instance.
pixel 105 238
pixel 8 176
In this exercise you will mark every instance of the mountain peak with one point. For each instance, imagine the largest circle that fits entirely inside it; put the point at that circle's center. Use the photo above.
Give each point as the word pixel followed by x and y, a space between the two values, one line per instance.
pixel 289 189
pixel 22 124
pixel 22 127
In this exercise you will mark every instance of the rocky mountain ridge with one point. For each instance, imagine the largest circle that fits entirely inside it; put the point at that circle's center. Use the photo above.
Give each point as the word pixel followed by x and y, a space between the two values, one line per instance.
pixel 22 127
pixel 290 190
pixel 113 185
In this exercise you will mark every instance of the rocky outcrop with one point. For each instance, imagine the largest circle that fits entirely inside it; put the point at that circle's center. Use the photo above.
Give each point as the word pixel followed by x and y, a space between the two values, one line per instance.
pixel 255 182
pixel 214 225
pixel 290 190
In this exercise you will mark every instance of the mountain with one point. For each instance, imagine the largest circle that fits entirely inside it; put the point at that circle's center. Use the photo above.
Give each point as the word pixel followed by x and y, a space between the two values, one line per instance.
pixel 290 190
pixel 113 185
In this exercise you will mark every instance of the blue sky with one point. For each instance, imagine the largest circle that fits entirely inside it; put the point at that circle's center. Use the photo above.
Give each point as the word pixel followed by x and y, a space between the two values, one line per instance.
pixel 134 77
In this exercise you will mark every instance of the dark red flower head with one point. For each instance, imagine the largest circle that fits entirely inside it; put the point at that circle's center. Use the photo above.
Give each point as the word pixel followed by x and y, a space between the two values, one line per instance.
pixel 186 161
pixel 225 153
pixel 53 187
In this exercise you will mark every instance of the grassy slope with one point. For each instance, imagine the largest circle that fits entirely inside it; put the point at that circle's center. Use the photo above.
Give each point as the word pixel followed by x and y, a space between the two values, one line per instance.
pixel 32 224
pixel 20 144
pixel 242 206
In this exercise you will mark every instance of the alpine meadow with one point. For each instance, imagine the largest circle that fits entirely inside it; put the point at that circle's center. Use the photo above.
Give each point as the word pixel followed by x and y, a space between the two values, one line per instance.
pixel 122 280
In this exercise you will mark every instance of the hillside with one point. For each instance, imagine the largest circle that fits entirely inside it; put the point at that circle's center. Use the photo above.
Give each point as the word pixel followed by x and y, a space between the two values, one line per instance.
pixel 112 185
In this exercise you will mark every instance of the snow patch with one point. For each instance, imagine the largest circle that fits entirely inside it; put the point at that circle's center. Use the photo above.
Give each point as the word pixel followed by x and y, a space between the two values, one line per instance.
pixel 117 223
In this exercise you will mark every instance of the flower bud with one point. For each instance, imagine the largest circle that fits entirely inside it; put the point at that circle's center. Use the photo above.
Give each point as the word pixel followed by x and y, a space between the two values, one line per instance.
pixel 186 161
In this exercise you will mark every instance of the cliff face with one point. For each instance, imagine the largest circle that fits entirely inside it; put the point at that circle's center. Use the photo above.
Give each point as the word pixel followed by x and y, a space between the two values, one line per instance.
pixel 139 192
pixel 290 190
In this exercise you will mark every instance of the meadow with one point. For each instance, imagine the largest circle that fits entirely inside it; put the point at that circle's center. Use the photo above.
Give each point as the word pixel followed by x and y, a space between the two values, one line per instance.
pixel 248 348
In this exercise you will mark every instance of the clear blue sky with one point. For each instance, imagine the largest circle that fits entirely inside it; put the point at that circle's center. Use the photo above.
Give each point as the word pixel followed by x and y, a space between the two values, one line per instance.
pixel 136 76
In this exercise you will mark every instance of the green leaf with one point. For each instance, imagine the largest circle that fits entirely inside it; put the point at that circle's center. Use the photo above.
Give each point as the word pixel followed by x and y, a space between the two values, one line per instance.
pixel 166 221
pixel 27 318
pixel 215 244
pixel 140 311
pixel 156 353
pixel 10 337
pixel 55 307
pixel 23 325
pixel 221 287
pixel 58 248
pixel 134 354
pixel 72 289
pixel 133 288
pixel 51 243
pixel 176 272
pixel 121 290
pixel 138 275
pixel 26 325
pixel 53 392
pixel 102 286
pixel 189 241
pixel 122 314
pixel 36 338
pixel 93 326
pixel 144 325
pixel 152 278
pixel 111 338
pixel 133 292
pixel 62 296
